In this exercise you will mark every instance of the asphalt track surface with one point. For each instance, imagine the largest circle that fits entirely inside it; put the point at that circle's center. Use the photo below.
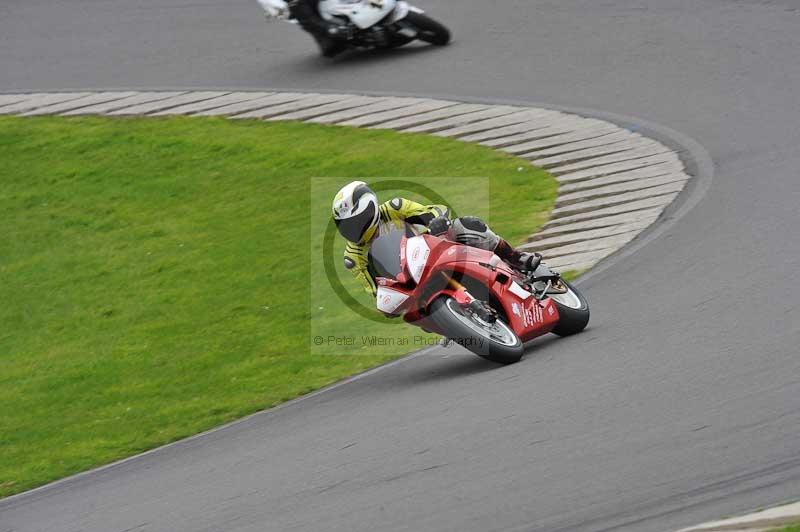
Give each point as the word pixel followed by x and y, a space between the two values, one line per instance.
pixel 679 404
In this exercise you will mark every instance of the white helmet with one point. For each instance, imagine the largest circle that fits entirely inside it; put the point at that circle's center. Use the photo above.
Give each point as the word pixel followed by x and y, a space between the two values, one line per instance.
pixel 355 211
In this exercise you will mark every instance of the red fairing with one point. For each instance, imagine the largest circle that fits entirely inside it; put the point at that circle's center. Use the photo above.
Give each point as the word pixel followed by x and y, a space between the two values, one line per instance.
pixel 526 315
pixel 530 317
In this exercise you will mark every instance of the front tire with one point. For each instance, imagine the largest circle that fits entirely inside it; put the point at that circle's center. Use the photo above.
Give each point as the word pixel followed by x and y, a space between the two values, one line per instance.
pixel 573 311
pixel 429 30
pixel 495 342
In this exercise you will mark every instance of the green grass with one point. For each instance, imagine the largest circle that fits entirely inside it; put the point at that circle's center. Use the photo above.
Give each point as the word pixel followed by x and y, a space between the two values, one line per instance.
pixel 789 528
pixel 571 275
pixel 156 275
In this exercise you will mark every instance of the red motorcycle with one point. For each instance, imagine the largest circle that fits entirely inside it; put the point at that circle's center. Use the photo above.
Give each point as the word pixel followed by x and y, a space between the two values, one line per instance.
pixel 470 295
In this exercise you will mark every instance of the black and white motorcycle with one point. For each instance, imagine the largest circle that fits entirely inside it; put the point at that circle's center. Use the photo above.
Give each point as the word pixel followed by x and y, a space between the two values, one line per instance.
pixel 379 23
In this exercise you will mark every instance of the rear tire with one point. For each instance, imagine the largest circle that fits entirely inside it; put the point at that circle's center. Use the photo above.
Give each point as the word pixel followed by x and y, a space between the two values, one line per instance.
pixel 444 314
pixel 430 31
pixel 573 312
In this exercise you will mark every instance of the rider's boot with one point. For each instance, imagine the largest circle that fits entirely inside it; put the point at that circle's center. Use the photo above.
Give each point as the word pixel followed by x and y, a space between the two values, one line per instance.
pixel 518 259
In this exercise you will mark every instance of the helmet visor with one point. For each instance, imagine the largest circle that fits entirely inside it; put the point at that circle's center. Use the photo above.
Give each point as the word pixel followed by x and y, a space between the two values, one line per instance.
pixel 353 228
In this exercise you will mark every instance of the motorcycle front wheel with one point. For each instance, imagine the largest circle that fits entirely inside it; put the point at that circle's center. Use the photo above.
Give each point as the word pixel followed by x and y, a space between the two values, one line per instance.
pixel 492 341
pixel 429 30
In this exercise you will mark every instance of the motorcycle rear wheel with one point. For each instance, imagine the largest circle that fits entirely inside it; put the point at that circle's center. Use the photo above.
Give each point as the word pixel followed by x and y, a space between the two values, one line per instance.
pixel 429 30
pixel 495 342
pixel 573 311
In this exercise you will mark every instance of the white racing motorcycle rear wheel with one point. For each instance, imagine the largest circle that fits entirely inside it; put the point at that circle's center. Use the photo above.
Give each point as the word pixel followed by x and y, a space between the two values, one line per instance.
pixel 429 30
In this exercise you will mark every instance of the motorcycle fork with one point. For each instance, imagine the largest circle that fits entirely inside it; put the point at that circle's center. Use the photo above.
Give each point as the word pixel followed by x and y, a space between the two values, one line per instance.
pixel 479 308
pixel 460 293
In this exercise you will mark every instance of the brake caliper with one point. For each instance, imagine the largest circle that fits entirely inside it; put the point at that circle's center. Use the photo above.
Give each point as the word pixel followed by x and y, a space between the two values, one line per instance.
pixel 483 311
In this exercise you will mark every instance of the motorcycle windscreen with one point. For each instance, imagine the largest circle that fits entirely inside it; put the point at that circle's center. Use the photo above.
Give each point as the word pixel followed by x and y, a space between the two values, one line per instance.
pixel 384 253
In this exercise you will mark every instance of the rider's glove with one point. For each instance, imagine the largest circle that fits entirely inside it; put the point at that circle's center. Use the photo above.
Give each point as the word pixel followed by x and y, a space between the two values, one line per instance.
pixel 439 226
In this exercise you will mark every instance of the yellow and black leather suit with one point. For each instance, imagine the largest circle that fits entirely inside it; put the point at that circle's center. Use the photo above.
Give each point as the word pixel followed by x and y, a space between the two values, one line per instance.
pixel 394 211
